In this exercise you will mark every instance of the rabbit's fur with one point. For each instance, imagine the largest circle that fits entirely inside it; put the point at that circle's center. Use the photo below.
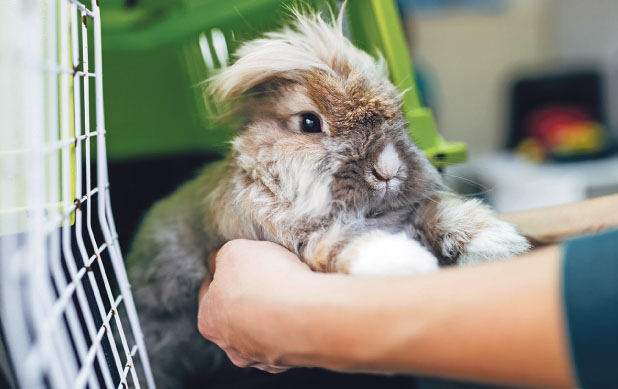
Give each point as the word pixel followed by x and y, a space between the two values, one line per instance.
pixel 318 194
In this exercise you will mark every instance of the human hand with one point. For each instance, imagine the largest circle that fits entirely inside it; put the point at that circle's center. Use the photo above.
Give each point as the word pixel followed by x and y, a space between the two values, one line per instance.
pixel 244 307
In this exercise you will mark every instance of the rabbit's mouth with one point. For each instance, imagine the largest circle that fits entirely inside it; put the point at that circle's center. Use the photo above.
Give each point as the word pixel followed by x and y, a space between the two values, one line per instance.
pixel 388 190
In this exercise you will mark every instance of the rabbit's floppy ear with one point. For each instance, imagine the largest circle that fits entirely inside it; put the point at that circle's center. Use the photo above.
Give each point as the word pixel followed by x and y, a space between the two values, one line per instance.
pixel 259 61
pixel 310 42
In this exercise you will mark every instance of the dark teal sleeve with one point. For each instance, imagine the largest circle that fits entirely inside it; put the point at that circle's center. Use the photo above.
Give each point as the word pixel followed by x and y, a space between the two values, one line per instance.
pixel 590 290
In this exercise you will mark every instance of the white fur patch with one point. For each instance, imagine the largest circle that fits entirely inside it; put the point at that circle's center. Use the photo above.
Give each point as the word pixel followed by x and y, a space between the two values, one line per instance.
pixel 473 224
pixel 388 162
pixel 499 241
pixel 313 193
pixel 381 253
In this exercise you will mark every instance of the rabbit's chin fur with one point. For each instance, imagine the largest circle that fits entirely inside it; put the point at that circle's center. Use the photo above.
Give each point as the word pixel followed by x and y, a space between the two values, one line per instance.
pixel 358 197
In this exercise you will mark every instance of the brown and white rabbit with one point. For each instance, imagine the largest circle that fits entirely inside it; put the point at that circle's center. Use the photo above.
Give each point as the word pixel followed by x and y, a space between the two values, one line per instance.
pixel 324 166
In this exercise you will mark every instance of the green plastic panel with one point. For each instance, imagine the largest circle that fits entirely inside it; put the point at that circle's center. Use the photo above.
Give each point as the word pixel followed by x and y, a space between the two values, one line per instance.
pixel 375 26
pixel 154 64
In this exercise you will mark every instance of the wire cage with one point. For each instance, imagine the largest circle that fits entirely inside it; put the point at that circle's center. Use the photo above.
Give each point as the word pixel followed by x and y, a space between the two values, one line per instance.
pixel 67 315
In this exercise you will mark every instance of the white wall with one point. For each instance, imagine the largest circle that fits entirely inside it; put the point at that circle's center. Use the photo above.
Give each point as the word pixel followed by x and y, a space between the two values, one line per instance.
pixel 587 31
pixel 472 55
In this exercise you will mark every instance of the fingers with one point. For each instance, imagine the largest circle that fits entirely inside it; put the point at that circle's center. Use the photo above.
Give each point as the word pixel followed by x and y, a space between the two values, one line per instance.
pixel 238 359
pixel 252 250
pixel 269 368
pixel 242 361
pixel 253 267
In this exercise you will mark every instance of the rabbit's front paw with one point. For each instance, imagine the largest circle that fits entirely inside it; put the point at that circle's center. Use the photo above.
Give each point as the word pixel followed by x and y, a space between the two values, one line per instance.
pixel 495 241
pixel 381 253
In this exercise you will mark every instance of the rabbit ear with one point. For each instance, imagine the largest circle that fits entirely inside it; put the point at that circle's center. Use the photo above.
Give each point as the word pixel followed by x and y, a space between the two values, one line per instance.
pixel 259 61
pixel 311 42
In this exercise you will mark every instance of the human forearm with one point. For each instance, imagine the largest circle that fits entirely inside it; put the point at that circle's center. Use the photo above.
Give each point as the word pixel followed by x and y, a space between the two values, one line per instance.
pixel 551 225
pixel 497 322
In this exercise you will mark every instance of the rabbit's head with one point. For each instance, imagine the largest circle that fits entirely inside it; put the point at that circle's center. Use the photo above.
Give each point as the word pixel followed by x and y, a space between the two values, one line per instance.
pixel 324 129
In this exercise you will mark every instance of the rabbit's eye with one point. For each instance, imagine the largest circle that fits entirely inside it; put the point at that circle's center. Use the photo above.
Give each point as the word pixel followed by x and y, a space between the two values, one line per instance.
pixel 310 123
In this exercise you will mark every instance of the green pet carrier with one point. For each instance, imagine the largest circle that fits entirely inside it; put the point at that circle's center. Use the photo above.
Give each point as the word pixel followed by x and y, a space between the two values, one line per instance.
pixel 158 51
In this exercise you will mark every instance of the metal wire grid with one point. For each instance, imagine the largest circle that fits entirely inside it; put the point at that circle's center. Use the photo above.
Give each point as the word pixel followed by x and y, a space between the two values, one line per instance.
pixel 63 283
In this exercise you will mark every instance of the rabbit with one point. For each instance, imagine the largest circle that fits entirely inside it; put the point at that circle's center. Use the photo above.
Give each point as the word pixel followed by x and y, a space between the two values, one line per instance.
pixel 322 165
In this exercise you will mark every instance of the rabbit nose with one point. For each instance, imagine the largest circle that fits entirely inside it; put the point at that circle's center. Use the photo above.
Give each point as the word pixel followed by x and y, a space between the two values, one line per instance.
pixel 388 164
pixel 380 176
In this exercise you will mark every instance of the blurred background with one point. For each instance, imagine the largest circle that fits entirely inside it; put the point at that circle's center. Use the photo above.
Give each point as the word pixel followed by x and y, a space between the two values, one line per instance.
pixel 530 85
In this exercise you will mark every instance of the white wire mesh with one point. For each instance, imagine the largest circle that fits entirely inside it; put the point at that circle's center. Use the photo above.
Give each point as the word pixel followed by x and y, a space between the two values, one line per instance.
pixel 67 313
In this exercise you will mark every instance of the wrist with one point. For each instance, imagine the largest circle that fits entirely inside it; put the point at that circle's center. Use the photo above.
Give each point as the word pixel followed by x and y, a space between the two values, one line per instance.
pixel 303 320
pixel 334 322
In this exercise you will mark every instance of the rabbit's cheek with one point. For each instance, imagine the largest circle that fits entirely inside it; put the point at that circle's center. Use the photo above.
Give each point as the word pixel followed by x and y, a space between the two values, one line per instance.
pixel 381 191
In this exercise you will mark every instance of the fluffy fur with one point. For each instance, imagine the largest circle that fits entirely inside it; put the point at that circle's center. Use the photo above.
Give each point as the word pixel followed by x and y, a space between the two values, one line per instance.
pixel 359 197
